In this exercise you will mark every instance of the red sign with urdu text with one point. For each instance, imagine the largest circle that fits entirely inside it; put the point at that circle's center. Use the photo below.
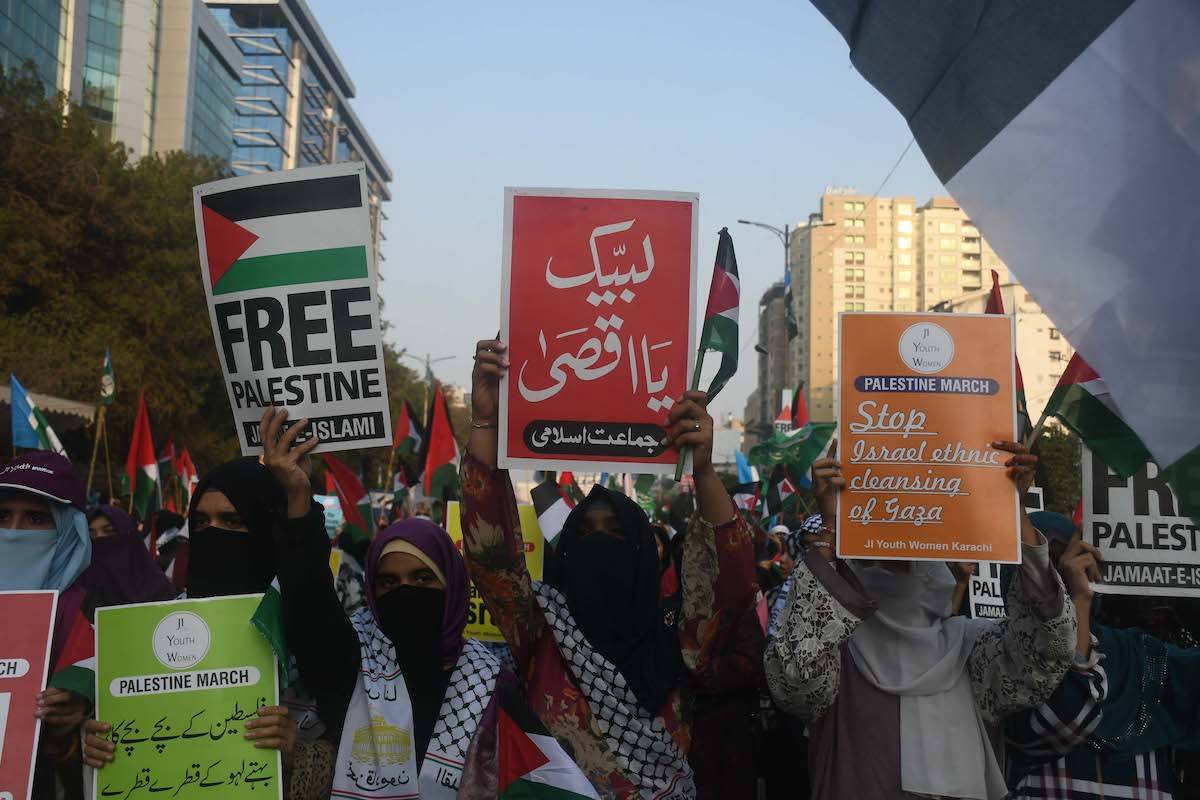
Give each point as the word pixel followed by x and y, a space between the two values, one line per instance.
pixel 24 663
pixel 599 315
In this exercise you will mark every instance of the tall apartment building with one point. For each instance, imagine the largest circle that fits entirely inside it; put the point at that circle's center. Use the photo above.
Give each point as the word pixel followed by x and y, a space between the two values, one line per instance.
pixel 860 253
pixel 1041 348
pixel 293 104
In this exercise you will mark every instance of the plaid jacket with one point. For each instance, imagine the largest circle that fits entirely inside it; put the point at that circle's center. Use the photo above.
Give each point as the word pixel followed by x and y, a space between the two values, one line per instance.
pixel 1050 757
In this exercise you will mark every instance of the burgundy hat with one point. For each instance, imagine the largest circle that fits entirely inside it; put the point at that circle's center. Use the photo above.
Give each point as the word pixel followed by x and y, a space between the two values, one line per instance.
pixel 44 473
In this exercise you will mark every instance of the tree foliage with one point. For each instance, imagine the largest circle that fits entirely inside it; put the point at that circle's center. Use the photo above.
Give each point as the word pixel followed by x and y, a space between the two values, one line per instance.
pixel 100 252
pixel 1058 471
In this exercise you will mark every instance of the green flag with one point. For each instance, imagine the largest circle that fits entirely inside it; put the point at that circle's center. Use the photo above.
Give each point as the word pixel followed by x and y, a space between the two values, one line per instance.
pixel 796 449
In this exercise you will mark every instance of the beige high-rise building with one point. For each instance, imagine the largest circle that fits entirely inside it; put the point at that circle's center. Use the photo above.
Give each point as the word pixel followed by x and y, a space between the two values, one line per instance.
pixel 860 253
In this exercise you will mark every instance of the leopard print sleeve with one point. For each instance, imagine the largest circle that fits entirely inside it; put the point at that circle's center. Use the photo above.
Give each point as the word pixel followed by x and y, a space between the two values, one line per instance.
pixel 1019 662
pixel 311 774
pixel 803 659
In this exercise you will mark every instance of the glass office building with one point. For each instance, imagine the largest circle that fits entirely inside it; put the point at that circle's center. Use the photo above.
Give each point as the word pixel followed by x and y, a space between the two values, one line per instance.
pixel 214 96
pixel 293 105
pixel 34 32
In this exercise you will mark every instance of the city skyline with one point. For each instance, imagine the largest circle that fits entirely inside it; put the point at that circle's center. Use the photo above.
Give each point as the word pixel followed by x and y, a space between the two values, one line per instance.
pixel 558 97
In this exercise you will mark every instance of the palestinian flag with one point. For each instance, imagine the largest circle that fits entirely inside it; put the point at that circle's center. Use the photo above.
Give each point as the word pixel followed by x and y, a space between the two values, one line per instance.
pixel 1082 402
pixel 1051 123
pixel 781 493
pixel 552 506
pixel 799 408
pixel 166 469
pixel 570 487
pixel 995 305
pixel 108 381
pixel 281 234
pixel 408 432
pixel 29 426
pixel 75 667
pixel 746 496
pixel 355 502
pixel 797 449
pixel 532 765
pixel 399 488
pixel 141 467
pixel 442 457
pixel 720 332
pixel 188 477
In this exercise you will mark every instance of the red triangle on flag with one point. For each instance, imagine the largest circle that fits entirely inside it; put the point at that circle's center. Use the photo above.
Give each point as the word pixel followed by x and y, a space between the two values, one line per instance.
pixel 224 241
pixel 518 755
pixel 723 294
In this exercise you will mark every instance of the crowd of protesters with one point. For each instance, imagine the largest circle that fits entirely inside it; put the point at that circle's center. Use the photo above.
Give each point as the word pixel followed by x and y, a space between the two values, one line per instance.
pixel 694 655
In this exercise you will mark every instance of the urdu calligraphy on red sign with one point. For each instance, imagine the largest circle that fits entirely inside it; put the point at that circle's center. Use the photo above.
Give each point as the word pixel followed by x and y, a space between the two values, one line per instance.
pixel 599 317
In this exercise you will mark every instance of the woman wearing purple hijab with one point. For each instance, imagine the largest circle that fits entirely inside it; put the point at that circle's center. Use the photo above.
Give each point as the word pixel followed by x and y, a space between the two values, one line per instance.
pixel 413 699
pixel 122 570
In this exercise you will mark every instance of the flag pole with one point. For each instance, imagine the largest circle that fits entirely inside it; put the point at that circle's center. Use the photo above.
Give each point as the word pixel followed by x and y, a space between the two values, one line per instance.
pixel 683 451
pixel 95 447
pixel 388 475
pixel 1037 431
pixel 107 464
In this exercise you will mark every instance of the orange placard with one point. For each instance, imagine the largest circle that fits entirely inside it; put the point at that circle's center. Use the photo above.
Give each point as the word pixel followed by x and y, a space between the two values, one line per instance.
pixel 923 396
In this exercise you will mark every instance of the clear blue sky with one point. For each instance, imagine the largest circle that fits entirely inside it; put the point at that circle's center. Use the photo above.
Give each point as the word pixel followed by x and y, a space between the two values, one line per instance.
pixel 753 105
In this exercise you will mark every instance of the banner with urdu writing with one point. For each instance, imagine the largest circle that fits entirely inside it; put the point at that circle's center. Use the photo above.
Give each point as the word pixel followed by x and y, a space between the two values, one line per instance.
pixel 177 681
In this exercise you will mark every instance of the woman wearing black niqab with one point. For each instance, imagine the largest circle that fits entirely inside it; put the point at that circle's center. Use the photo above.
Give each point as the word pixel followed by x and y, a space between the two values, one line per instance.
pixel 609 570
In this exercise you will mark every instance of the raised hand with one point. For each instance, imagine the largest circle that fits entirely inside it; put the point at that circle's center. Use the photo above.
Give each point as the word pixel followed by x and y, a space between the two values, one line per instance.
pixel 689 425
pixel 288 463
pixel 491 362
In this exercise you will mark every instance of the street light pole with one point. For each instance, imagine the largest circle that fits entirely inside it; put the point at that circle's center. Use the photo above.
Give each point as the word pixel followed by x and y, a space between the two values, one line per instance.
pixel 428 361
pixel 784 235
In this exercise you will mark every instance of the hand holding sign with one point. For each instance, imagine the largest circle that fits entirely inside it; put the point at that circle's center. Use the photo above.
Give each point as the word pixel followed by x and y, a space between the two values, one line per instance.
pixel 97 751
pixel 273 730
pixel 827 481
pixel 286 461
pixel 1021 467
pixel 490 365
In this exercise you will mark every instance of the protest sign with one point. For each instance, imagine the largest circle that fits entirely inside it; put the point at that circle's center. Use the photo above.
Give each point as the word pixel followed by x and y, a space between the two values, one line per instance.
pixel 288 268
pixel 24 663
pixel 1149 546
pixel 923 396
pixel 598 310
pixel 984 590
pixel 177 681
pixel 479 624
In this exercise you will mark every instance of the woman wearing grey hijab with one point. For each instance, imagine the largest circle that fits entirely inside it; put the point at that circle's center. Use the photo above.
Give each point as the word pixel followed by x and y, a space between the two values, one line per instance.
pixel 870 656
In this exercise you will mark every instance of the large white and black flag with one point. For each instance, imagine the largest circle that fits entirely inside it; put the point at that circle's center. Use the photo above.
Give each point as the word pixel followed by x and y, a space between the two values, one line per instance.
pixel 1069 130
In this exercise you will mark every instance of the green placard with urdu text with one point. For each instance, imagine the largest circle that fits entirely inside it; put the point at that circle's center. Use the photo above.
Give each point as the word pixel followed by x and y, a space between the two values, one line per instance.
pixel 177 681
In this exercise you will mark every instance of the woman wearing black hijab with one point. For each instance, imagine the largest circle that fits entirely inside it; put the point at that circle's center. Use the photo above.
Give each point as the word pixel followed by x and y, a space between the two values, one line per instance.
pixel 122 570
pixel 653 696
pixel 237 511
pixel 612 583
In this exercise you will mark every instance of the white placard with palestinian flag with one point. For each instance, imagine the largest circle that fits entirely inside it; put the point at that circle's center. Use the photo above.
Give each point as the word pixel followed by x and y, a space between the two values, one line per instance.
pixel 1149 546
pixel 288 267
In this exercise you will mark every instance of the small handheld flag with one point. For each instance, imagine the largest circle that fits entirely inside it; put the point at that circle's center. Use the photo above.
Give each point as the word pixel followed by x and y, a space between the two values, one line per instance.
pixel 108 381
pixel 29 426
pixel 720 332
pixel 141 466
